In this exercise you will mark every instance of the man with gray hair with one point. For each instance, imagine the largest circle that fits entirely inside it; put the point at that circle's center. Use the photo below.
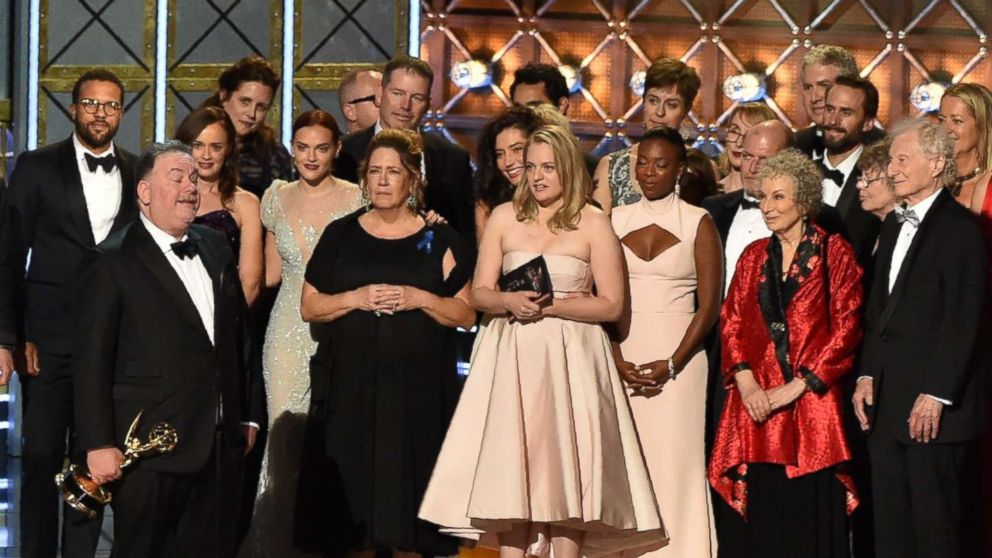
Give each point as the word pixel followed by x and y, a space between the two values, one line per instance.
pixel 920 393
pixel 159 334
pixel 356 97
pixel 821 67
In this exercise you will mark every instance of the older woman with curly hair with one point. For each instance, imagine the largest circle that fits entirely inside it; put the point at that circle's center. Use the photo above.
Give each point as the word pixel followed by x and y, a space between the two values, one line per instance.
pixel 790 329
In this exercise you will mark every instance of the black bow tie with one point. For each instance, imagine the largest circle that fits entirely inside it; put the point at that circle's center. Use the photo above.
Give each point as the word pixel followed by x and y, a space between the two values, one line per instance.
pixel 831 174
pixel 108 162
pixel 188 248
pixel 749 203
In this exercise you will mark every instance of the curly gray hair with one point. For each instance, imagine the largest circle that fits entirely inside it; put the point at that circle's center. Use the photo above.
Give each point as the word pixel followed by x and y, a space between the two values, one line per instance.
pixel 934 143
pixel 804 174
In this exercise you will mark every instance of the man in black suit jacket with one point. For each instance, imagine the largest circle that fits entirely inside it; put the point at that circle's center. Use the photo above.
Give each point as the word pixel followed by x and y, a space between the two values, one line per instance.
pixel 9 279
pixel 851 106
pixel 160 329
pixel 403 98
pixel 821 67
pixel 64 199
pixel 921 386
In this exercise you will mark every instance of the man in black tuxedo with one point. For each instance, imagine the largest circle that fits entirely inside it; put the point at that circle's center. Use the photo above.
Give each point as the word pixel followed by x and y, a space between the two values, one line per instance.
pixel 537 84
pixel 921 386
pixel 64 199
pixel 849 112
pixel 821 67
pixel 160 331
pixel 403 98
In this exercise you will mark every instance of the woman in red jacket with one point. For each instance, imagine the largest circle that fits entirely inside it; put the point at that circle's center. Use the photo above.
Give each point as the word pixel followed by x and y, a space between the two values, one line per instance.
pixel 791 328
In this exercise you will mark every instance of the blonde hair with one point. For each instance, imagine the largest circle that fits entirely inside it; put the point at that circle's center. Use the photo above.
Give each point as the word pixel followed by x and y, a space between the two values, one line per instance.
pixel 572 175
pixel 410 148
pixel 979 100
pixel 832 55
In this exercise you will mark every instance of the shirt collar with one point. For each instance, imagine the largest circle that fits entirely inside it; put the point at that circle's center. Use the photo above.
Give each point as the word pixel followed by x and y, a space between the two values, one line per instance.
pixel 847 165
pixel 922 207
pixel 162 239
pixel 82 150
pixel 378 128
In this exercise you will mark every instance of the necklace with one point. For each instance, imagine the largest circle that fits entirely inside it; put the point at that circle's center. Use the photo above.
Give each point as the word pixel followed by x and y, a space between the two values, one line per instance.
pixel 960 180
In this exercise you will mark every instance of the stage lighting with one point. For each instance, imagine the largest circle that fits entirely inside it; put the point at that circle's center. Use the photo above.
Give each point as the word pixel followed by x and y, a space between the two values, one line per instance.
pixel 637 83
pixel 472 74
pixel 744 88
pixel 926 96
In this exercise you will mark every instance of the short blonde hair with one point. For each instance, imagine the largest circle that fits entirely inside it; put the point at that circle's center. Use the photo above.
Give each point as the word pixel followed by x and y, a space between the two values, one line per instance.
pixel 410 148
pixel 934 142
pixel 572 174
pixel 804 174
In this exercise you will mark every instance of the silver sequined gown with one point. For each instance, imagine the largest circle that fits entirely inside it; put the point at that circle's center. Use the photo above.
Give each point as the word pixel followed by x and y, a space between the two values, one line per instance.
pixel 297 220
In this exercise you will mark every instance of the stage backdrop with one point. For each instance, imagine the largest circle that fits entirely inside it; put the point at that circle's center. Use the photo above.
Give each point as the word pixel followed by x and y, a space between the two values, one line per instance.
pixel 327 38
pixel 899 44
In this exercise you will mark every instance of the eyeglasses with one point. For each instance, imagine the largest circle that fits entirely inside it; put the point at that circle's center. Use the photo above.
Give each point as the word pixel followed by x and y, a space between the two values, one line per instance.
pixel 361 100
pixel 92 106
pixel 732 136
pixel 865 183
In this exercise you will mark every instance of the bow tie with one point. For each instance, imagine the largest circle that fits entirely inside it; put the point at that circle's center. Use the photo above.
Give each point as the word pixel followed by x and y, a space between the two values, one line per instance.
pixel 904 215
pixel 831 174
pixel 748 202
pixel 108 162
pixel 188 248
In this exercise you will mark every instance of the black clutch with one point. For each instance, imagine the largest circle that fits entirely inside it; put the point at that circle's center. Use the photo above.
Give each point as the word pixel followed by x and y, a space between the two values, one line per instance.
pixel 531 276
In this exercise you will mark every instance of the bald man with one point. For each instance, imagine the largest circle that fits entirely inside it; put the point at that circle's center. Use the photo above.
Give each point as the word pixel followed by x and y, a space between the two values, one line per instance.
pixel 356 96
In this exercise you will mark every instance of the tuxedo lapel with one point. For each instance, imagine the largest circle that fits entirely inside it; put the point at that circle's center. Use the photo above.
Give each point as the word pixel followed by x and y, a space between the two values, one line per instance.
pixel 72 184
pixel 151 256
pixel 849 194
pixel 725 217
pixel 127 211
pixel 211 261
pixel 909 260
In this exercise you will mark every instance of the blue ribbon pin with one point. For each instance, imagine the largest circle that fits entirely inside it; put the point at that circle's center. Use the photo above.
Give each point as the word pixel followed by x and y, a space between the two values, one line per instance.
pixel 425 244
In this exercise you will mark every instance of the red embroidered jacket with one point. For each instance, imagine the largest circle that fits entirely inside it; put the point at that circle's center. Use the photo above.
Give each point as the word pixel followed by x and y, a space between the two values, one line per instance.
pixel 808 435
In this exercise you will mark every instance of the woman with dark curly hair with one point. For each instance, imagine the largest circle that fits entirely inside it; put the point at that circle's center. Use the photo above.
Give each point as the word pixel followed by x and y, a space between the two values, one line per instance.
pixel 500 160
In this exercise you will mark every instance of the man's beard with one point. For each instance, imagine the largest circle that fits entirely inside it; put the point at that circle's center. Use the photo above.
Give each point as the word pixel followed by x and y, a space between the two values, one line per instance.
pixel 93 140
pixel 844 144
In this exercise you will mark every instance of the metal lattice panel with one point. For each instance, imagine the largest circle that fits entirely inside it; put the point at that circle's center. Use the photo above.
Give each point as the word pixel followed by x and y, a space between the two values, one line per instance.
pixel 898 47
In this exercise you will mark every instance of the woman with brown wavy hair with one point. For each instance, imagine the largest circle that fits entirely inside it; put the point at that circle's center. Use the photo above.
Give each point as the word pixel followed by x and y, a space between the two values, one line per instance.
pixel 245 91
pixel 542 444
pixel 224 206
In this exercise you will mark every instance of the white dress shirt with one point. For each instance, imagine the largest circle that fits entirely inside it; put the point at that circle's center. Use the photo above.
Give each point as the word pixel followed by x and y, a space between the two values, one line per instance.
pixel 191 272
pixel 748 225
pixel 101 189
pixel 831 191
pixel 905 239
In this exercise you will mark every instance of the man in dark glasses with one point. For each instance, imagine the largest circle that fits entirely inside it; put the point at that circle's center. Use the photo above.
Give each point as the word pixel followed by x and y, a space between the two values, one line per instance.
pixel 356 96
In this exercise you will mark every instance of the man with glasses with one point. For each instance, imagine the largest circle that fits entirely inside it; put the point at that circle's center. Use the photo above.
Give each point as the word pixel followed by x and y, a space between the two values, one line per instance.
pixel 356 97
pixel 64 199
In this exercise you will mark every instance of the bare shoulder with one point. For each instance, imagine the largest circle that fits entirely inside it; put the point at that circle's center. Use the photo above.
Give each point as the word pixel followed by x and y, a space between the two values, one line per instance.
pixel 503 213
pixel 593 217
pixel 244 198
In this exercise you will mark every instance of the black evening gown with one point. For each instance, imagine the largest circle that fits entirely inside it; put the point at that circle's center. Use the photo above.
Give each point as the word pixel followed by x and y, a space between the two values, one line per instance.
pixel 383 392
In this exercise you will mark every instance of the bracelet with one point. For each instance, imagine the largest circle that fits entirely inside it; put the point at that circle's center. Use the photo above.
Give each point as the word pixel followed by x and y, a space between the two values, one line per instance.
pixel 672 372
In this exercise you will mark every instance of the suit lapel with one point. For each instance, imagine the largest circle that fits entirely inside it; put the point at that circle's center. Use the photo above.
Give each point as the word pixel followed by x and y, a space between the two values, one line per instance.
pixel 725 219
pixel 150 255
pixel 128 209
pixel 72 185
pixel 211 261
pixel 907 263
pixel 849 193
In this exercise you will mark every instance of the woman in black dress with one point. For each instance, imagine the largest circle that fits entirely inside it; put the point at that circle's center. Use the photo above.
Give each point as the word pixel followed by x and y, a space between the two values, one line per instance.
pixel 387 290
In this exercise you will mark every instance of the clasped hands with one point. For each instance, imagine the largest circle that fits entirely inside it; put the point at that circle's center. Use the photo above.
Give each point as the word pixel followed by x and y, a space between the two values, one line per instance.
pixel 924 418
pixel 528 305
pixel 646 380
pixel 761 403
pixel 389 299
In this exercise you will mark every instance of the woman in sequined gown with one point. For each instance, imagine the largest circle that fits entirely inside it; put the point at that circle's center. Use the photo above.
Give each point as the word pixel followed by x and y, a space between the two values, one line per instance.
pixel 295 215
pixel 224 206
pixel 670 87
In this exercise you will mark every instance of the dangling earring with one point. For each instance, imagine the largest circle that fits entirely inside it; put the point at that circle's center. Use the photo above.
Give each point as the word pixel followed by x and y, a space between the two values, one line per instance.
pixel 678 184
